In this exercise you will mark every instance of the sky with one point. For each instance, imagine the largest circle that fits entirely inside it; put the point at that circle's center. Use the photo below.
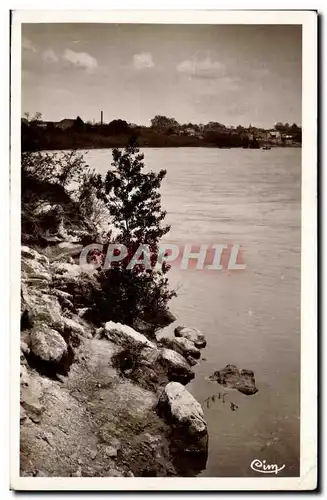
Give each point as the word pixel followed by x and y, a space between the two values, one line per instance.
pixel 231 74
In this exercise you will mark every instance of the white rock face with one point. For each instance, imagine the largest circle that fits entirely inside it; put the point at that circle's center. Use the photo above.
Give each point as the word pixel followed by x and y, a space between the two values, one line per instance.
pixel 184 408
pixel 47 344
pixel 174 358
pixel 192 334
pixel 177 367
pixel 118 333
pixel 181 345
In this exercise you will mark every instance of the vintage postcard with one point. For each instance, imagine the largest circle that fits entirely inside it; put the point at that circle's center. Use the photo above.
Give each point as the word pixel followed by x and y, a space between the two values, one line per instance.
pixel 163 274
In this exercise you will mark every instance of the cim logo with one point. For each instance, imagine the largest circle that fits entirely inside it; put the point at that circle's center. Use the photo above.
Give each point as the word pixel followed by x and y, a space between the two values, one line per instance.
pixel 265 468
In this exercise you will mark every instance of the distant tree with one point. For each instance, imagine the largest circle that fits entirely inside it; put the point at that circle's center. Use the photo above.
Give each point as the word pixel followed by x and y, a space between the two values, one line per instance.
pixel 118 127
pixel 38 116
pixel 279 127
pixel 283 128
pixel 214 126
pixel 164 124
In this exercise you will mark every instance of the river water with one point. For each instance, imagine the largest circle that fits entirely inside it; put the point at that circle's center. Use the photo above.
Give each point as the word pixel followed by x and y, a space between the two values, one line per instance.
pixel 250 317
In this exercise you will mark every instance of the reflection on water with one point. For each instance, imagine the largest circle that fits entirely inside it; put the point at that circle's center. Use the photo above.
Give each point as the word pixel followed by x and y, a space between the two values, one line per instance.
pixel 250 318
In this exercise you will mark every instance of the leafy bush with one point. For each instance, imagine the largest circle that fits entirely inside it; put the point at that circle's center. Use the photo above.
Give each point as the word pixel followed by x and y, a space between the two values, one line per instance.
pixel 51 194
pixel 134 203
pixel 62 167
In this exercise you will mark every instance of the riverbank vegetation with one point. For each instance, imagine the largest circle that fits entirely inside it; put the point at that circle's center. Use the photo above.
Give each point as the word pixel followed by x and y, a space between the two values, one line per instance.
pixel 62 197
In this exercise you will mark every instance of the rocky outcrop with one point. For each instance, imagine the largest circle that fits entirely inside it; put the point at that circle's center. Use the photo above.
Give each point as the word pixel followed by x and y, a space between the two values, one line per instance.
pixel 233 378
pixel 93 392
pixel 120 334
pixel 185 411
pixel 181 345
pixel 189 444
pixel 192 334
pixel 178 369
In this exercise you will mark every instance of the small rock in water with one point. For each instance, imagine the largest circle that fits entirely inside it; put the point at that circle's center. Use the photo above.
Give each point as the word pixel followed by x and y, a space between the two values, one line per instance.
pixel 192 334
pixel 182 345
pixel 233 378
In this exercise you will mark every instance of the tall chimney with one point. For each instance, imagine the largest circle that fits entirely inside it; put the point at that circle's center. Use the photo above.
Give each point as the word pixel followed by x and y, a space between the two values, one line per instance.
pixel 101 117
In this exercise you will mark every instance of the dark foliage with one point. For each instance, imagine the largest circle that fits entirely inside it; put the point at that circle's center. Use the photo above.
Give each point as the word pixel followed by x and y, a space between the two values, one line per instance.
pixel 163 132
pixel 134 203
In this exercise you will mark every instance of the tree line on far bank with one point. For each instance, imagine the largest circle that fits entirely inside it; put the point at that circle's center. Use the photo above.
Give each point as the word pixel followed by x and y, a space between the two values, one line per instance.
pixel 163 132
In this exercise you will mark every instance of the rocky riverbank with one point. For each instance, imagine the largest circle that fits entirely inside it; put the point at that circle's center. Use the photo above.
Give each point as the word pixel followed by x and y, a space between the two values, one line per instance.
pixel 100 401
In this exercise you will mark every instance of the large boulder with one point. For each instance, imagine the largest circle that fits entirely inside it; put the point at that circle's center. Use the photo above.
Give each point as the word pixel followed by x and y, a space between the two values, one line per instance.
pixel 176 367
pixel 181 345
pixel 47 344
pixel 38 306
pixel 123 334
pixel 233 378
pixel 183 409
pixel 161 318
pixel 192 334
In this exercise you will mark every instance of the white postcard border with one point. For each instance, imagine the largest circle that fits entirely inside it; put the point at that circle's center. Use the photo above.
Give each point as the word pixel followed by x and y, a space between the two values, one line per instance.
pixel 308 477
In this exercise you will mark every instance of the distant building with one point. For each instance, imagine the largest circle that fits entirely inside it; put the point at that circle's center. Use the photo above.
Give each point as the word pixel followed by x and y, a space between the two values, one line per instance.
pixel 287 139
pixel 261 135
pixel 274 134
pixel 42 124
pixel 190 131
pixel 65 123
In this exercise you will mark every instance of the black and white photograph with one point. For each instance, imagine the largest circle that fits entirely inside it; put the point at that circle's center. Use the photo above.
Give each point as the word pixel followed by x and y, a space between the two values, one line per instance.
pixel 164 174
